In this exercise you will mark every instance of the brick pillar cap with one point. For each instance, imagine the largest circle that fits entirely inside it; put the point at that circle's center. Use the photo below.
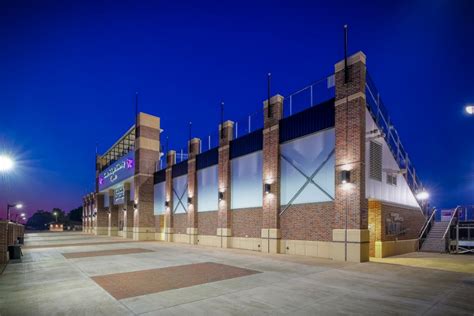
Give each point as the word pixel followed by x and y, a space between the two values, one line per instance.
pixel 357 57
pixel 149 120
pixel 277 98
pixel 228 123
pixel 195 140
pixel 171 152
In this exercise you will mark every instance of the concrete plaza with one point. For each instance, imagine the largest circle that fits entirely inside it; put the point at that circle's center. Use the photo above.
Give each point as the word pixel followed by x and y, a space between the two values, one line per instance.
pixel 48 283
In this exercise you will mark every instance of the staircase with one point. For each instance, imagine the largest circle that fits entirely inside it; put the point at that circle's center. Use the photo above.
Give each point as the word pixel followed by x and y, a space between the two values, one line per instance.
pixel 434 241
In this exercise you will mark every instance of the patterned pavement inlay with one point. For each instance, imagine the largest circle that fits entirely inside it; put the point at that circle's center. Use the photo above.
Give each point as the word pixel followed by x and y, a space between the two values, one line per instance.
pixel 100 253
pixel 130 284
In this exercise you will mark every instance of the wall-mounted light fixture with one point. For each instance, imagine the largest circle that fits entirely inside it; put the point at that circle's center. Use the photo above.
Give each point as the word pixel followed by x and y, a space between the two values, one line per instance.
pixel 95 214
pixel 221 196
pixel 345 176
pixel 124 209
pixel 167 203
pixel 135 206
pixel 190 200
pixel 268 188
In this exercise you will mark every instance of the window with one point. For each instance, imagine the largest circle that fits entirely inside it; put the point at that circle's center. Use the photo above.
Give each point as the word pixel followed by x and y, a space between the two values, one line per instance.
pixel 375 153
pixel 392 178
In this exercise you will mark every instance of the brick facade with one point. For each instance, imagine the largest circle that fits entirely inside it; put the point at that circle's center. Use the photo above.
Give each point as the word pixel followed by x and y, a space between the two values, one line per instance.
pixel 247 222
pixel 207 223
pixel 180 223
pixel 9 232
pixel 312 221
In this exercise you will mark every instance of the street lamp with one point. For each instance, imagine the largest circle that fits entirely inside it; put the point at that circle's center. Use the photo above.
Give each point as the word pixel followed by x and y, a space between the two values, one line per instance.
pixel 17 206
pixel 56 215
pixel 470 109
pixel 6 163
pixel 422 195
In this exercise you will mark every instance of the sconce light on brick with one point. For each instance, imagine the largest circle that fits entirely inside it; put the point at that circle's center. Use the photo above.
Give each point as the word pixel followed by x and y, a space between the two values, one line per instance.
pixel 345 176
pixel 135 206
pixel 167 203
pixel 268 188
pixel 221 196
pixel 190 200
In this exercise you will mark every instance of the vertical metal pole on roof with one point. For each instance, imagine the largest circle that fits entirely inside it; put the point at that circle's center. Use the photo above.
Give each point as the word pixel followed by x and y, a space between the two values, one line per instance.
pixel 136 107
pixel 209 142
pixel 250 127
pixel 269 79
pixel 346 71
pixel 222 120
pixel 311 90
pixel 167 144
pixel 291 105
pixel 190 129
pixel 236 130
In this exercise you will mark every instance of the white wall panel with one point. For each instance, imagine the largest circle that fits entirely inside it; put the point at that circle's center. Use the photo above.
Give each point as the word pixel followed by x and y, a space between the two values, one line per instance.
pixel 247 185
pixel 381 190
pixel 159 198
pixel 180 191
pixel 301 158
pixel 207 187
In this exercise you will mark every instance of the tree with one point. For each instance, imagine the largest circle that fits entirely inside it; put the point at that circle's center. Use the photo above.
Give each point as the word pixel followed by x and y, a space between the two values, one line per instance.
pixel 40 220
pixel 75 215
pixel 61 214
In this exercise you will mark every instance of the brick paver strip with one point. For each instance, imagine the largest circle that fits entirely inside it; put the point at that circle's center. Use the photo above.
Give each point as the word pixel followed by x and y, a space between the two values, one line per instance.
pixel 100 253
pixel 78 244
pixel 130 284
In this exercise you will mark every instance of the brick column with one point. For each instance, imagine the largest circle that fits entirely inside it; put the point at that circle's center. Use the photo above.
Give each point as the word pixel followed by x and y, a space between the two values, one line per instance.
pixel 127 210
pixel 90 212
pixel 271 175
pixel 93 213
pixel 147 155
pixel 102 216
pixel 350 234
pixel 112 216
pixel 84 213
pixel 224 213
pixel 3 242
pixel 168 229
pixel 194 148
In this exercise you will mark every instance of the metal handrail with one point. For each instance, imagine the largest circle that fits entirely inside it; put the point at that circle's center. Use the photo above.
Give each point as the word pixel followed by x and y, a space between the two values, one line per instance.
pixel 450 221
pixel 430 219
pixel 383 122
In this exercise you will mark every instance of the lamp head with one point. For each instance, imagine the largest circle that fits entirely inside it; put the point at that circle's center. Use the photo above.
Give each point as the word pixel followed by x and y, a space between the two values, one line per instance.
pixel 6 163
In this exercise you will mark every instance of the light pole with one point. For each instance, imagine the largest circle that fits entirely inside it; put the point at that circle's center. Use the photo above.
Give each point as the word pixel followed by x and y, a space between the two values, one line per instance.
pixel 17 206
pixel 56 215
pixel 6 163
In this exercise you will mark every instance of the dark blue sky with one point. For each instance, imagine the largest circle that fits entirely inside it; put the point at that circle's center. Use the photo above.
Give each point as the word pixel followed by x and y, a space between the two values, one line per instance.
pixel 69 72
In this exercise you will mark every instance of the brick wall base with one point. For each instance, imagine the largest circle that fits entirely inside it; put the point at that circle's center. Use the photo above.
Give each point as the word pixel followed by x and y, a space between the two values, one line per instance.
pixel 400 239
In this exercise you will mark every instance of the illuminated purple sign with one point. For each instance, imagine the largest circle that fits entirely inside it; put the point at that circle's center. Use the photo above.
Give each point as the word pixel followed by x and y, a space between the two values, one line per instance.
pixel 120 170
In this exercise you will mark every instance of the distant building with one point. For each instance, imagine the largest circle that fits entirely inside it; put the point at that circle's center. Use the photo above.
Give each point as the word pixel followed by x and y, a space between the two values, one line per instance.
pixel 56 227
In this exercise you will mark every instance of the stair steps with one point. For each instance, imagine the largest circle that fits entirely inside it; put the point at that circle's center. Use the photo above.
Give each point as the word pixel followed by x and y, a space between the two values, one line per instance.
pixel 434 241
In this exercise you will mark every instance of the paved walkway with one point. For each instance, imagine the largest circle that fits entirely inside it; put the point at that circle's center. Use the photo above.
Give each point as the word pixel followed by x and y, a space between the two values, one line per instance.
pixel 47 283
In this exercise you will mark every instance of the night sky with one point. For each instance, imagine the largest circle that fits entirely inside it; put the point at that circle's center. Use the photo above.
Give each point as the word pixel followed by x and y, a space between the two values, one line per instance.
pixel 69 73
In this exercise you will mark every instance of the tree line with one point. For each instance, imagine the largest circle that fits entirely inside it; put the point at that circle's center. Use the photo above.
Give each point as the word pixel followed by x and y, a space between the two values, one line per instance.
pixel 41 219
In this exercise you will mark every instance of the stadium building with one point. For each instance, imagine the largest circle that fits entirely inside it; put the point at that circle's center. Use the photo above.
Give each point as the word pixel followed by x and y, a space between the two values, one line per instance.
pixel 320 173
